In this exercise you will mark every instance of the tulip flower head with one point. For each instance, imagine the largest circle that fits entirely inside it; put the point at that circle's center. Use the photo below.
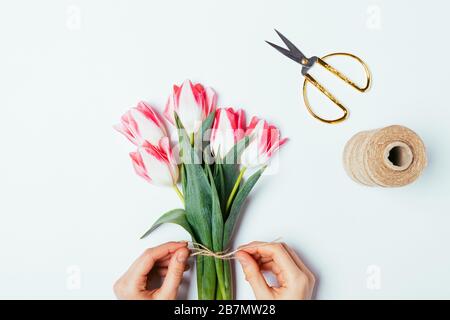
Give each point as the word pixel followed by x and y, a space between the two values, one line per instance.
pixel 192 103
pixel 265 142
pixel 228 128
pixel 156 164
pixel 142 124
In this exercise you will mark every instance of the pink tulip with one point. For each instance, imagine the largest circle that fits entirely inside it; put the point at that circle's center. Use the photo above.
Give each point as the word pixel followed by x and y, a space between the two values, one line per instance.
pixel 266 141
pixel 156 164
pixel 192 103
pixel 228 128
pixel 142 124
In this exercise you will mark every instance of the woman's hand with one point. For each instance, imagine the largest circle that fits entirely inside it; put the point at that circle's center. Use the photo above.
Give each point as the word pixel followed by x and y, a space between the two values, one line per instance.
pixel 168 260
pixel 294 279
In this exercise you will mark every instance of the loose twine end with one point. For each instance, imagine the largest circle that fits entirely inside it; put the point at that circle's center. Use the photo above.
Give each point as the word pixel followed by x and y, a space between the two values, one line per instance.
pixel 199 249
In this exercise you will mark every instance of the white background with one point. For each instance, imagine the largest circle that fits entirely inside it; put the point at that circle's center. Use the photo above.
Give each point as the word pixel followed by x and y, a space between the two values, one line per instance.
pixel 71 204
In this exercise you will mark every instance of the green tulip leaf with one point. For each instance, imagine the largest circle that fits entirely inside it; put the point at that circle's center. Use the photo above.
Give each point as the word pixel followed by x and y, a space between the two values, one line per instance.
pixel 217 232
pixel 237 205
pixel 198 204
pixel 220 185
pixel 206 125
pixel 232 157
pixel 176 216
pixel 197 191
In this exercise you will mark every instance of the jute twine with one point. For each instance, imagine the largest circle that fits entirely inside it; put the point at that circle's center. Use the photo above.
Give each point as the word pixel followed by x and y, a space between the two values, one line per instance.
pixel 200 250
pixel 393 156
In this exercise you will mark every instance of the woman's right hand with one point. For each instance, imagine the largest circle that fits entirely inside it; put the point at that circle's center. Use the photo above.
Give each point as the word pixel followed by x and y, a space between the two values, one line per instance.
pixel 296 281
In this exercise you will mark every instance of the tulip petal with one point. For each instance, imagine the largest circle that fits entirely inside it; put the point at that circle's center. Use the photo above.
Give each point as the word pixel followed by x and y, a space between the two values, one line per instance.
pixel 211 102
pixel 266 142
pixel 164 145
pixel 228 129
pixel 138 166
pixel 253 122
pixel 249 157
pixel 222 137
pixel 170 109
pixel 125 131
pixel 143 129
pixel 277 145
pixel 156 166
pixel 142 124
pixel 189 111
pixel 150 114
pixel 240 124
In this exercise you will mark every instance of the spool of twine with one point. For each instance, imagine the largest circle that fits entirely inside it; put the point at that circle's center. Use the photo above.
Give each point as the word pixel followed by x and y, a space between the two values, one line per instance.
pixel 393 156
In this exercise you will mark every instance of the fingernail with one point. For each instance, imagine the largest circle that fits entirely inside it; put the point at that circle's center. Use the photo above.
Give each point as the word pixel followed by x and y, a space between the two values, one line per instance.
pixel 182 256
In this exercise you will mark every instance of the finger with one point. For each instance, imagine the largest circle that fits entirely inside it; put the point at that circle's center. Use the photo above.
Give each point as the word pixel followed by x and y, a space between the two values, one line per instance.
pixel 299 262
pixel 251 244
pixel 164 262
pixel 255 255
pixel 275 269
pixel 142 266
pixel 271 266
pixel 263 260
pixel 254 276
pixel 278 253
pixel 162 271
pixel 169 288
pixel 166 258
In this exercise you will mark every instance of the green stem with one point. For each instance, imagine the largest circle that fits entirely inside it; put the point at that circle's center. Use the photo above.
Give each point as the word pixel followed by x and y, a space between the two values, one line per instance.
pixel 209 279
pixel 219 294
pixel 220 277
pixel 199 267
pixel 228 280
pixel 180 195
pixel 235 187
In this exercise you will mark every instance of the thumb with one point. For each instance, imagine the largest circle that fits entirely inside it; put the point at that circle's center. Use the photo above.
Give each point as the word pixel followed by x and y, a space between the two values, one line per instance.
pixel 169 288
pixel 254 276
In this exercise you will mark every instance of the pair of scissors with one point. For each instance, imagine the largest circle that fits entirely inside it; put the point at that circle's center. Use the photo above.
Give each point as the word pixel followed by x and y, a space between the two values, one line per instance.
pixel 295 54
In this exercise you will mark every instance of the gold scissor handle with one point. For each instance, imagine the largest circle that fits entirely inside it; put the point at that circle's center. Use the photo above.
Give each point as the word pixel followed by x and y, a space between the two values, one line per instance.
pixel 309 78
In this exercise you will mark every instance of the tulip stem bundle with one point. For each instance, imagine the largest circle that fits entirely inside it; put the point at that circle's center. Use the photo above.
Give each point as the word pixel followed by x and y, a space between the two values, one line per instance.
pixel 212 192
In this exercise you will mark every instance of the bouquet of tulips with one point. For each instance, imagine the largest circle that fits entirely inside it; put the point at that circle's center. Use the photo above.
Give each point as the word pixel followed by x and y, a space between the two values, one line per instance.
pixel 213 149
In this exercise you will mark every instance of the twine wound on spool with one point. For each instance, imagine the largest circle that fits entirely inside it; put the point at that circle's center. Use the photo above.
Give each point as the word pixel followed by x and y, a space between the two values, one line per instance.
pixel 393 156
pixel 201 250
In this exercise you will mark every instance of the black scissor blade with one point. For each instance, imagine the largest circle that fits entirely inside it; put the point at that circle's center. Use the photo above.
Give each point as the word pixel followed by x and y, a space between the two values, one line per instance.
pixel 292 48
pixel 285 52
